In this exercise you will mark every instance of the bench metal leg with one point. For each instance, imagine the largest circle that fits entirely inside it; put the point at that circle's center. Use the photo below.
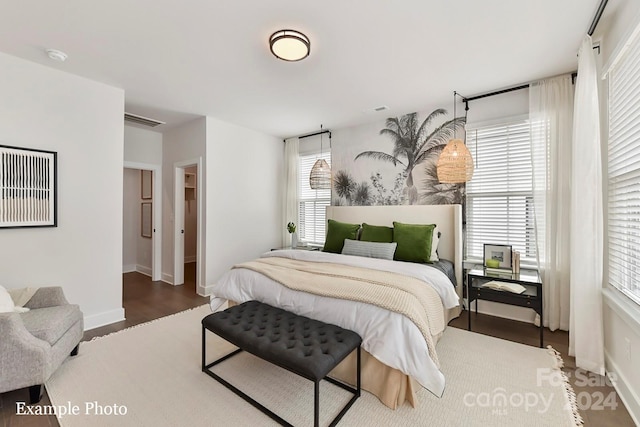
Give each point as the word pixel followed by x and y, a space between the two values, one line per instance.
pixel 206 368
pixel 316 404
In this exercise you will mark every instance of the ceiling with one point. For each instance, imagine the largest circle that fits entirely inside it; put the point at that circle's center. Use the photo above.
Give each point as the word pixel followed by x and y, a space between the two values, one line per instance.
pixel 177 60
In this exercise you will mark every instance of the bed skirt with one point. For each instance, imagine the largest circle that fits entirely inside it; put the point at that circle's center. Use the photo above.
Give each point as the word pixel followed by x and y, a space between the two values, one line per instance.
pixel 389 385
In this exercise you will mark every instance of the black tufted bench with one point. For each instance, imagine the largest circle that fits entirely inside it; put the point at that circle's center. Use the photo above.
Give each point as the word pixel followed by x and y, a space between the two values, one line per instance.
pixel 304 346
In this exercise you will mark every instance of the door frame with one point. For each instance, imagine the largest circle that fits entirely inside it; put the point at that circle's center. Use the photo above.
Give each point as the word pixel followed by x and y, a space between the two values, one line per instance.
pixel 178 212
pixel 156 245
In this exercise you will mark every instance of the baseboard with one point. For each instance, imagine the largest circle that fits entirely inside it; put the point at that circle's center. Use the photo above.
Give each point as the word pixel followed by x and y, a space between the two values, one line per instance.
pixel 627 395
pixel 101 319
pixel 167 278
pixel 129 268
pixel 143 270
pixel 190 259
pixel 205 291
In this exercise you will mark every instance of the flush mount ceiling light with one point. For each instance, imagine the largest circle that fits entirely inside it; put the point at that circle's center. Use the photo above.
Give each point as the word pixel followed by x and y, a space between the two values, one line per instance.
pixel 289 45
pixel 56 55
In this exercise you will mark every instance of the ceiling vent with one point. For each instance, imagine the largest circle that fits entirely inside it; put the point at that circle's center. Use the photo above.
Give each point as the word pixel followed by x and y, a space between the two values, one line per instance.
pixel 142 120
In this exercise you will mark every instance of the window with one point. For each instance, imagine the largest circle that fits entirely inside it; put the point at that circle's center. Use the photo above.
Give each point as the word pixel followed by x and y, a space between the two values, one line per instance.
pixel 313 203
pixel 623 222
pixel 499 206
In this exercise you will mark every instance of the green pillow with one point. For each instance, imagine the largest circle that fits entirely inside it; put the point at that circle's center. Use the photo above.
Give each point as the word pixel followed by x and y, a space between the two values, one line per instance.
pixel 336 233
pixel 376 233
pixel 414 241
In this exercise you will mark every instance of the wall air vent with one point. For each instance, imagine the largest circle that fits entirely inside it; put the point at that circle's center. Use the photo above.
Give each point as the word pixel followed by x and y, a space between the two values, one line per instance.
pixel 142 120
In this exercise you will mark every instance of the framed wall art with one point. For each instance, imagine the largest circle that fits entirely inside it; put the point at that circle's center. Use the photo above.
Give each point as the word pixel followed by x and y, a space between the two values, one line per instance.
pixel 146 222
pixel 146 184
pixel 28 187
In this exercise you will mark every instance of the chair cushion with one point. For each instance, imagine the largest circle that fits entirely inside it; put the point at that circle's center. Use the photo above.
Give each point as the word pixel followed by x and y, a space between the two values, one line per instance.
pixel 51 323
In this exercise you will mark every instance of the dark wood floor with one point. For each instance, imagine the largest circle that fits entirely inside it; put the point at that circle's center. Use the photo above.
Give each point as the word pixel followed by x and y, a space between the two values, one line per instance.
pixel 145 300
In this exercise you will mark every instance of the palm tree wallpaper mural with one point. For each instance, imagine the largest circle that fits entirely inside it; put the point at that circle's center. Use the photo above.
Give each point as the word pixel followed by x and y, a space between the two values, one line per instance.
pixel 413 156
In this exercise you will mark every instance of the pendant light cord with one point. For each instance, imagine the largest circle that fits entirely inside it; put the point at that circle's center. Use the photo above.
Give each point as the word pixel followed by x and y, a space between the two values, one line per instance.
pixel 320 141
pixel 454 114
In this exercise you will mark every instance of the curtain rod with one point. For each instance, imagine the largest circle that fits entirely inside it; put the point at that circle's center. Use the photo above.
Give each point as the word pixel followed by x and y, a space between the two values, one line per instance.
pixel 312 134
pixel 596 18
pixel 511 89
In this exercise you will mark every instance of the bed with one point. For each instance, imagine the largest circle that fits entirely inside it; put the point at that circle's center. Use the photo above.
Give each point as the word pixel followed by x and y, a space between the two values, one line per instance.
pixel 399 350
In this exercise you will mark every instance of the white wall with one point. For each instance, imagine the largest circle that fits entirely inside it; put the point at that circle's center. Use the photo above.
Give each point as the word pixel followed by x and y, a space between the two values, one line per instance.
pixel 130 219
pixel 82 120
pixel 182 143
pixel 143 148
pixel 142 145
pixel 244 195
pixel 621 316
pixel 510 104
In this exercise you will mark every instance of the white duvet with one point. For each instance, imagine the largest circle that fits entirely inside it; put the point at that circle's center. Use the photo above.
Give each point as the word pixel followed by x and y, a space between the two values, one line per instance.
pixel 391 337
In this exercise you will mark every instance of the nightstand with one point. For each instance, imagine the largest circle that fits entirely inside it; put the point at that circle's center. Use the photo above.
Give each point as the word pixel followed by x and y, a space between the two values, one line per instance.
pixel 530 298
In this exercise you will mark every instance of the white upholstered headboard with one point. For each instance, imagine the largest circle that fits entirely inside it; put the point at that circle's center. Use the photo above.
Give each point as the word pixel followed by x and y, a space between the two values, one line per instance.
pixel 447 217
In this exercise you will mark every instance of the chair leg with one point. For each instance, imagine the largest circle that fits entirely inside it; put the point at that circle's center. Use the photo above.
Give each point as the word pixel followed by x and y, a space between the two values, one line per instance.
pixel 74 352
pixel 35 393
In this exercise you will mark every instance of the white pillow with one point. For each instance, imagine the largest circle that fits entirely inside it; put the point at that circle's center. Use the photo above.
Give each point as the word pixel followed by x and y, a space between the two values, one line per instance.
pixel 369 249
pixel 6 303
pixel 434 245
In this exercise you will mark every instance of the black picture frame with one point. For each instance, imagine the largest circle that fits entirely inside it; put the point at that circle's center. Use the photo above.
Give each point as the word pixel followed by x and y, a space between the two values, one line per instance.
pixel 146 184
pixel 28 187
pixel 146 222
pixel 502 253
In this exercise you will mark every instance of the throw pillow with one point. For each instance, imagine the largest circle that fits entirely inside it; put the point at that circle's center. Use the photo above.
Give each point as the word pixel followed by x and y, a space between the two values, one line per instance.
pixel 434 245
pixel 376 233
pixel 369 249
pixel 6 303
pixel 336 233
pixel 414 241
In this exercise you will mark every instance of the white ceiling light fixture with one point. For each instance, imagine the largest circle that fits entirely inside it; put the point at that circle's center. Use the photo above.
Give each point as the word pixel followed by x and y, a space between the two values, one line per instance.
pixel 289 45
pixel 56 55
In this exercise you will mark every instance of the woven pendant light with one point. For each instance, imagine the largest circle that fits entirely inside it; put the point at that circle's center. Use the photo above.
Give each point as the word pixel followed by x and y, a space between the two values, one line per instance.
pixel 455 165
pixel 320 176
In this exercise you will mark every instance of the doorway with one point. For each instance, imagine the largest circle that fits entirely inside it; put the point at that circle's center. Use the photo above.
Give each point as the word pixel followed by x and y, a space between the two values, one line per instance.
pixel 190 224
pixel 188 230
pixel 142 211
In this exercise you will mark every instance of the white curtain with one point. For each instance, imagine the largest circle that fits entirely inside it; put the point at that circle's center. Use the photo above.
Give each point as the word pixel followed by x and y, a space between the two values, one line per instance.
pixel 290 202
pixel 586 340
pixel 551 121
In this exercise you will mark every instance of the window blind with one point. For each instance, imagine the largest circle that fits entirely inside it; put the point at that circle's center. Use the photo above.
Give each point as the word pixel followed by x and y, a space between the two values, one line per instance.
pixel 499 206
pixel 624 174
pixel 312 203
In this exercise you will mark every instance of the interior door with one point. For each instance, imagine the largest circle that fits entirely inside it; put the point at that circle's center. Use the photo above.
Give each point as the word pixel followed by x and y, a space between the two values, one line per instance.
pixel 178 269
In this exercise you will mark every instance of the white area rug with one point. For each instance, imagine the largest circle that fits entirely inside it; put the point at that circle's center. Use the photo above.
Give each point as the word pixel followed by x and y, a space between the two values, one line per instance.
pixel 152 372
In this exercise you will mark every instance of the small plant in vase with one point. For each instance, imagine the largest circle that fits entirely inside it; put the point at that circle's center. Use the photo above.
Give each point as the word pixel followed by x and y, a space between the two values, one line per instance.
pixel 291 228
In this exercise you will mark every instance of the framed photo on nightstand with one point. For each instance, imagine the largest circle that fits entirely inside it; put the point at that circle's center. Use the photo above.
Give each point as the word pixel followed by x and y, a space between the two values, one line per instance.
pixel 497 256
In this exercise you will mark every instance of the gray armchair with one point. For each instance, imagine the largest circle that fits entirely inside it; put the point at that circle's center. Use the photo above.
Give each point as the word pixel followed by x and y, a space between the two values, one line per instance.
pixel 35 343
